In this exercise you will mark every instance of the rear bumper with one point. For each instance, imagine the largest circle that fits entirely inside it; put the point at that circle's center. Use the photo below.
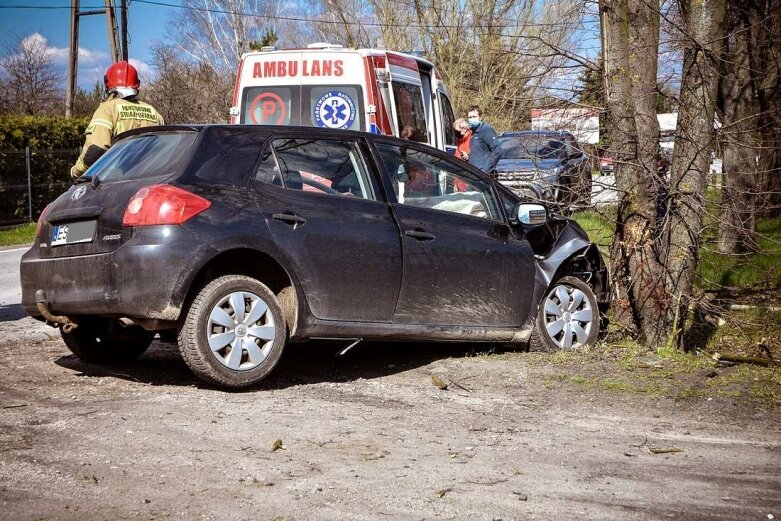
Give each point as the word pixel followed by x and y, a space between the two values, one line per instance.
pixel 146 278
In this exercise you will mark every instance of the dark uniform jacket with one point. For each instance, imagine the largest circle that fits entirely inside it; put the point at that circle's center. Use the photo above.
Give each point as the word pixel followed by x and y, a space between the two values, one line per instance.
pixel 484 148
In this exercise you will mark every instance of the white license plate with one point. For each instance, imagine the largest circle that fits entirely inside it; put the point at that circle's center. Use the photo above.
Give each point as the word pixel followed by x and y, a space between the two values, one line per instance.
pixel 73 233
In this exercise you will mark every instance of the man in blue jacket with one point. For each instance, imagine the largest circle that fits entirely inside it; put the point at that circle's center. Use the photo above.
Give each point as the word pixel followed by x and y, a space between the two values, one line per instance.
pixel 483 147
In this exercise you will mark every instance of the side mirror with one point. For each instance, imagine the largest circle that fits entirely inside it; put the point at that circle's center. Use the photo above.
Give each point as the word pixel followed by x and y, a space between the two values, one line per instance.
pixel 530 215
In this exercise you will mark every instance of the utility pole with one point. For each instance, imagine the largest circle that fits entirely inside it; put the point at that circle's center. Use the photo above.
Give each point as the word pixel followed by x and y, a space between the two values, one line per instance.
pixel 73 59
pixel 113 37
pixel 123 8
pixel 73 51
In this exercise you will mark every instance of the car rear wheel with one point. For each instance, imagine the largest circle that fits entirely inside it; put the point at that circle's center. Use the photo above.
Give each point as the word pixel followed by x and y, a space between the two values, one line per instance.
pixel 233 332
pixel 106 341
pixel 568 317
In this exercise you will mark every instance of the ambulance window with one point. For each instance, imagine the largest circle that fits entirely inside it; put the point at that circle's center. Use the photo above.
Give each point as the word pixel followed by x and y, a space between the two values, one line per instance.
pixel 448 118
pixel 332 106
pixel 410 115
pixel 269 106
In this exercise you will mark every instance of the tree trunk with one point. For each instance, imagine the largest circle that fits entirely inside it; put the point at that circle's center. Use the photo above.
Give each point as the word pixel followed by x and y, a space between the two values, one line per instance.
pixel 637 277
pixel 737 232
pixel 768 51
pixel 644 63
pixel 703 24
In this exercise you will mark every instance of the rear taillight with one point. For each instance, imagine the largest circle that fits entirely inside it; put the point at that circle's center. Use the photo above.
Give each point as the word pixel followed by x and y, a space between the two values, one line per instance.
pixel 163 204
pixel 41 221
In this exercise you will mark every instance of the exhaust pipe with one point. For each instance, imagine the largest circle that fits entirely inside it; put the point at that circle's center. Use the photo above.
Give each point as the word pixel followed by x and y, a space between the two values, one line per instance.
pixel 66 323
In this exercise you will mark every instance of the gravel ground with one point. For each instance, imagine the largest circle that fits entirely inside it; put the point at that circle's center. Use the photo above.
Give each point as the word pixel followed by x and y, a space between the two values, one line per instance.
pixel 365 436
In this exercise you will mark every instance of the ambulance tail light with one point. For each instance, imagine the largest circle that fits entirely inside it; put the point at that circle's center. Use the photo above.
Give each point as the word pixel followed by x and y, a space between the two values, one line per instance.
pixel 163 204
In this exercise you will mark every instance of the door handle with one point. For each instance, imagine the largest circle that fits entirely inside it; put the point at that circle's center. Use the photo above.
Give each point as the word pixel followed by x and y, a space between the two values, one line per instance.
pixel 420 235
pixel 289 218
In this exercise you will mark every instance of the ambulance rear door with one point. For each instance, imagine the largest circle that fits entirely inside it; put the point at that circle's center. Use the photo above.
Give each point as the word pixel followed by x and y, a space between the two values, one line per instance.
pixel 447 136
pixel 309 88
pixel 407 100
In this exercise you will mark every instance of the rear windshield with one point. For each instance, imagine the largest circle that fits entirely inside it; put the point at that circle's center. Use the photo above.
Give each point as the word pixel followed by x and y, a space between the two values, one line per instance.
pixel 144 155
pixel 329 106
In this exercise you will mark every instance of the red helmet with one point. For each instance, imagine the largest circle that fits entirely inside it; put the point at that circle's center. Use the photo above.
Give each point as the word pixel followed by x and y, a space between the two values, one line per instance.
pixel 121 74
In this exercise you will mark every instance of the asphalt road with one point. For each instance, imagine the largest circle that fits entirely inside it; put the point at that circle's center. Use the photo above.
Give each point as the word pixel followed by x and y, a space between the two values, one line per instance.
pixel 14 321
pixel 10 286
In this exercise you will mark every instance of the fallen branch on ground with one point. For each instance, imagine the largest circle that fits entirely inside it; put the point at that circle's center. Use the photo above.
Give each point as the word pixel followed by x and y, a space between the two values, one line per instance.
pixel 743 360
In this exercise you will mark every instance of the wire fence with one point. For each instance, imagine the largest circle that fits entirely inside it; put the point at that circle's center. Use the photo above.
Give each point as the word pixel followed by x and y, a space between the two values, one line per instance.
pixel 30 179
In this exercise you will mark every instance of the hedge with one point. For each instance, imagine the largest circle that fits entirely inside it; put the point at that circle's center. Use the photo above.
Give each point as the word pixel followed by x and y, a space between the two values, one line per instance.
pixel 54 143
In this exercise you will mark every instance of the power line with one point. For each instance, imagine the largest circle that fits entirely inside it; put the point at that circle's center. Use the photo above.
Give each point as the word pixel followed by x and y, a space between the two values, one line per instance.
pixel 336 22
pixel 44 7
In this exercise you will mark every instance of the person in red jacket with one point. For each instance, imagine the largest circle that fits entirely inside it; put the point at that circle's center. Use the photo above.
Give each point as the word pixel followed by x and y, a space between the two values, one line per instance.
pixel 462 127
pixel 462 151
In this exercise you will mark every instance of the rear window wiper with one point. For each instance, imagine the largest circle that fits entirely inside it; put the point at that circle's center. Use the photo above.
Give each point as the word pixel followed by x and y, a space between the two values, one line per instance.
pixel 95 180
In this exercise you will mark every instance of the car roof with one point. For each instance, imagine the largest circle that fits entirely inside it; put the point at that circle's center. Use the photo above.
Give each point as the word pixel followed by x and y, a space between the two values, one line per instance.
pixel 541 133
pixel 282 130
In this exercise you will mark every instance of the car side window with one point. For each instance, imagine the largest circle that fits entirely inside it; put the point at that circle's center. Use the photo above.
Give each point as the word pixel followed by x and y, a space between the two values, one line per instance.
pixel 315 165
pixel 427 181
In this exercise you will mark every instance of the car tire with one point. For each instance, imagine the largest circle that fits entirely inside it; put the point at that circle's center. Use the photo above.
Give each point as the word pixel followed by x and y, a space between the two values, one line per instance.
pixel 568 317
pixel 233 332
pixel 106 341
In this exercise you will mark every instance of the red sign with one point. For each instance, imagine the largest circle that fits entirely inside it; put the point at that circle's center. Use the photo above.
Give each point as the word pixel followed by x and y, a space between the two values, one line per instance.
pixel 283 68
pixel 271 106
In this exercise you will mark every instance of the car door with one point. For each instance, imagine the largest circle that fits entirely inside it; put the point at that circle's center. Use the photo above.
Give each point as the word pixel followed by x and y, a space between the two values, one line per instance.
pixel 462 264
pixel 326 215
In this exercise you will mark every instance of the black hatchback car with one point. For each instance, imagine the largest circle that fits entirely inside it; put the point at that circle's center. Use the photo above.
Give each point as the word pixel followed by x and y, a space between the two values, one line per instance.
pixel 236 240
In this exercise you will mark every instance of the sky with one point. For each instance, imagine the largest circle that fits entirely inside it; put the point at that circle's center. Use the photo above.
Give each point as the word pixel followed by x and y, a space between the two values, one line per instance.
pixel 51 20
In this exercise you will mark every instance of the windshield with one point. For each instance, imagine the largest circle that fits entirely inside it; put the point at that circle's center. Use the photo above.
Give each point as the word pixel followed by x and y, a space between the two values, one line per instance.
pixel 329 106
pixel 143 155
pixel 531 147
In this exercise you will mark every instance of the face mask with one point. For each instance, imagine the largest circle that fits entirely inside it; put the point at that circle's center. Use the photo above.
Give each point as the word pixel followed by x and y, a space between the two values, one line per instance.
pixel 474 122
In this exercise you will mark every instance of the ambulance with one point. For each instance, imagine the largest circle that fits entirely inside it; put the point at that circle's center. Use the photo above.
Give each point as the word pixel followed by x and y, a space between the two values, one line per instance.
pixel 326 85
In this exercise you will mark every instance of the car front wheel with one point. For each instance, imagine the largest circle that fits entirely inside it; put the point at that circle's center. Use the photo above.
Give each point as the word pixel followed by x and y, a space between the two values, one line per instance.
pixel 233 333
pixel 568 317
pixel 106 341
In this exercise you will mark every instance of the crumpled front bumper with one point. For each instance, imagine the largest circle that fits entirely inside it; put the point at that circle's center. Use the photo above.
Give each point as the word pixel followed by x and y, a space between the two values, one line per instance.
pixel 528 187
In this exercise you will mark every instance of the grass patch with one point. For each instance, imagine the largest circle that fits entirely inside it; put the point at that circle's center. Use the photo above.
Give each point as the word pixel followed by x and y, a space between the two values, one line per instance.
pixel 628 368
pixel 22 234
pixel 599 225
pixel 744 333
pixel 761 269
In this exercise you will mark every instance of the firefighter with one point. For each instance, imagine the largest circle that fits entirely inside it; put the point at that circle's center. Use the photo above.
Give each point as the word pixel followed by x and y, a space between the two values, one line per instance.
pixel 120 112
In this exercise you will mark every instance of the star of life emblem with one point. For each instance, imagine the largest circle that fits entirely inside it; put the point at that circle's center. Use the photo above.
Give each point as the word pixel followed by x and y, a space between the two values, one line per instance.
pixel 334 109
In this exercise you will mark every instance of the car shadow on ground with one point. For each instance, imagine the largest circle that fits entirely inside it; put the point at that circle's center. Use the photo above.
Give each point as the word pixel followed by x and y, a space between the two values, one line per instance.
pixel 11 312
pixel 301 363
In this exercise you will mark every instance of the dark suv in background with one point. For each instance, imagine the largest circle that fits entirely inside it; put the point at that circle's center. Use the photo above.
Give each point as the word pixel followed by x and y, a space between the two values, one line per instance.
pixel 235 240
pixel 545 166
